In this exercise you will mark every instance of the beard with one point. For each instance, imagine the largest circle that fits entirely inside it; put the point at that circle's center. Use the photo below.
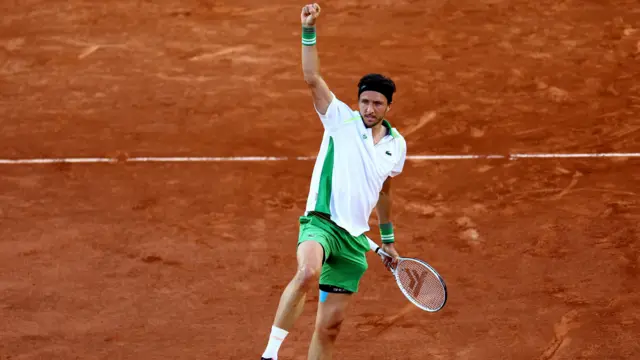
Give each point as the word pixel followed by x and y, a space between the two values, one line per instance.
pixel 372 121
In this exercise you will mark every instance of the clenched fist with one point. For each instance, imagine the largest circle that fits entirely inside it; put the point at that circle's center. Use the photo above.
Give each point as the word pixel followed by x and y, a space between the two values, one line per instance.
pixel 309 14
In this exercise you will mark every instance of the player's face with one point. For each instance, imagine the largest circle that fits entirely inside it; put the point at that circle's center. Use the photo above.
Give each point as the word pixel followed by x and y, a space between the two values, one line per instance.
pixel 373 107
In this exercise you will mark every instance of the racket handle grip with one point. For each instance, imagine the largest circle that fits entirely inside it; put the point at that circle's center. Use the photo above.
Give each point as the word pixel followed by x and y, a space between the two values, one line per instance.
pixel 376 249
pixel 373 245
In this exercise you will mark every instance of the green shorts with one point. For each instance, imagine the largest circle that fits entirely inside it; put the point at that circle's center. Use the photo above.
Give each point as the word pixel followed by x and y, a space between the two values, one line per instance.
pixel 345 260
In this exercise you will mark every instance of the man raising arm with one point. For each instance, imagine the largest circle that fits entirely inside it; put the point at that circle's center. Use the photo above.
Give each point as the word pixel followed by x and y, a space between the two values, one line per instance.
pixel 310 254
pixel 310 63
pixel 359 152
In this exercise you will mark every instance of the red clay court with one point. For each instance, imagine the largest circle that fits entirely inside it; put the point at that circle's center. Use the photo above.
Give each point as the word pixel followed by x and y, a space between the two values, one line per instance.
pixel 186 260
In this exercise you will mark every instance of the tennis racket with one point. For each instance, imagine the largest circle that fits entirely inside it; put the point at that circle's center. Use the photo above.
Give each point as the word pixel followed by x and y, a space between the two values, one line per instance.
pixel 418 281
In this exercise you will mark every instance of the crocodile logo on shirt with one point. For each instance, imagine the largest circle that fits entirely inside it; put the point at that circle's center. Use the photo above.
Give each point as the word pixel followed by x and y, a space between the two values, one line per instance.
pixel 388 152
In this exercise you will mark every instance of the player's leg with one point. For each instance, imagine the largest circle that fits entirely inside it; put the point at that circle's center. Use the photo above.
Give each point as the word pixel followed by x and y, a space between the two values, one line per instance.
pixel 340 278
pixel 312 250
pixel 310 256
pixel 331 313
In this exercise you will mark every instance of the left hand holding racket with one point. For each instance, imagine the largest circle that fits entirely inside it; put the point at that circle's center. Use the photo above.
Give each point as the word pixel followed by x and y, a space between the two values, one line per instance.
pixel 392 256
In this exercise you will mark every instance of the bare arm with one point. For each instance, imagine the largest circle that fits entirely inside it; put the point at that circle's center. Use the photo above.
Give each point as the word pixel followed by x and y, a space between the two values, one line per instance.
pixel 310 63
pixel 383 207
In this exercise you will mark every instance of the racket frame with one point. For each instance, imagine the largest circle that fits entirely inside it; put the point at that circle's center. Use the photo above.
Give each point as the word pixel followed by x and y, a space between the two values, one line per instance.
pixel 378 250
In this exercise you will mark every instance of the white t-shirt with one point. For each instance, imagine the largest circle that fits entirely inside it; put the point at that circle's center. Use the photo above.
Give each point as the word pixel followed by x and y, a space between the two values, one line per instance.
pixel 350 170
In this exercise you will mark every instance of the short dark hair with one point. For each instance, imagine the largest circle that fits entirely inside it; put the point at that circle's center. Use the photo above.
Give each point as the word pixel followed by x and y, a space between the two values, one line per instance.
pixel 378 83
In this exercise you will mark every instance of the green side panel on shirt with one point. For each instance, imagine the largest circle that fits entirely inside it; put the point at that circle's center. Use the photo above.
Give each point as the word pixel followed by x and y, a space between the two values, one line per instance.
pixel 326 182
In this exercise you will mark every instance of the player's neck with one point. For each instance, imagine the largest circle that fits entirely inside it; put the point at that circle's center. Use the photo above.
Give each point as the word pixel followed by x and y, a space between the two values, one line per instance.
pixel 378 128
pixel 378 131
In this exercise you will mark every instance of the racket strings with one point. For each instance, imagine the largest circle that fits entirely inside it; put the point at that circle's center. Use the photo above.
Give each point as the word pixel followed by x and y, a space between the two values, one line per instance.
pixel 421 284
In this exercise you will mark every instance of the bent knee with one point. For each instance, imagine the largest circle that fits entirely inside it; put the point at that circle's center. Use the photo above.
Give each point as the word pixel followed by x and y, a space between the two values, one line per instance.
pixel 330 328
pixel 307 276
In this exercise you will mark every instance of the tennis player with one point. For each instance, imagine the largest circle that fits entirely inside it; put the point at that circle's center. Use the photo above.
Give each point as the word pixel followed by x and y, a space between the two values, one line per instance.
pixel 359 154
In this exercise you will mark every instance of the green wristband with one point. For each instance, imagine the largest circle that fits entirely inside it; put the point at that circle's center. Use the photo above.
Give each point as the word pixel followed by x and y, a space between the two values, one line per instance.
pixel 386 233
pixel 308 35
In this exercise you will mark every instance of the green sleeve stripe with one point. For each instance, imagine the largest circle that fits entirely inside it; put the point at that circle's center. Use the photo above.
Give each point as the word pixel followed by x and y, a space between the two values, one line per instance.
pixel 352 119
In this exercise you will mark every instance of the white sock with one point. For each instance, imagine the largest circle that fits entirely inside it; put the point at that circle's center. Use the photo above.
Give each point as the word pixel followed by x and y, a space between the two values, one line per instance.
pixel 275 340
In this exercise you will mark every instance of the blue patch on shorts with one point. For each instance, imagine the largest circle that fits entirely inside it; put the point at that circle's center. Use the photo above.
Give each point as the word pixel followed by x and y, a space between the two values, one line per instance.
pixel 323 296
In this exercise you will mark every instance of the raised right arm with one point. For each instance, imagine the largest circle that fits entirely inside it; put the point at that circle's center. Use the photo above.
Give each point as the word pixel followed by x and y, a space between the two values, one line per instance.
pixel 310 63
